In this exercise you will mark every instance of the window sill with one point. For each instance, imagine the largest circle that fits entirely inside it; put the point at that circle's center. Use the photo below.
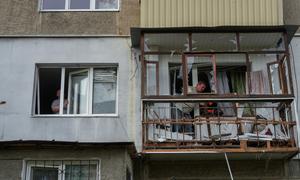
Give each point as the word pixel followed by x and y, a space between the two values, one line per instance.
pixel 79 10
pixel 76 116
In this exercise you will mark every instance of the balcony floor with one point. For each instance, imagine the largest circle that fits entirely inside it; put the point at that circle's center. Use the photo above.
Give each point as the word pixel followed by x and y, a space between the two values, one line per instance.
pixel 212 154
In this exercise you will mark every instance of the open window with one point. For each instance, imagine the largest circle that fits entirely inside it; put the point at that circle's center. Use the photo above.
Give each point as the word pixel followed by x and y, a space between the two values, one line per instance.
pixel 76 91
pixel 200 68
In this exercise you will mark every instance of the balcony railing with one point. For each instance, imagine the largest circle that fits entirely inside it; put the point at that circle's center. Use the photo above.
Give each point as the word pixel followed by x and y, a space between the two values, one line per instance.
pixel 222 126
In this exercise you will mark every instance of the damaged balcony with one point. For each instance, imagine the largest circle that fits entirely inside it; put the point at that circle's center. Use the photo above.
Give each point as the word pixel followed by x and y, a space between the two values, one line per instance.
pixel 218 126
pixel 245 104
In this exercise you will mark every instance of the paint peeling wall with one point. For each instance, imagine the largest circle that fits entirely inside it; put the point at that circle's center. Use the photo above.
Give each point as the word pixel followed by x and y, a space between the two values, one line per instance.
pixel 22 17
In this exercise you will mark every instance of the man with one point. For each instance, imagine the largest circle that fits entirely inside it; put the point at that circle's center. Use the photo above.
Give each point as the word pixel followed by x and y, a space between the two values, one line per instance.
pixel 183 110
pixel 56 102
pixel 200 87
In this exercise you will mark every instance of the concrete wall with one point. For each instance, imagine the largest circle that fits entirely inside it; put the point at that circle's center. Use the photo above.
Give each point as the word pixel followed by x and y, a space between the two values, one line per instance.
pixel 24 18
pixel 291 13
pixel 217 170
pixel 112 160
pixel 17 65
pixel 295 63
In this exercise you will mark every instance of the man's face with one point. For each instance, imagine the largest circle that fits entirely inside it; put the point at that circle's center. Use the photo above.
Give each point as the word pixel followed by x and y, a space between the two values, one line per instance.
pixel 200 87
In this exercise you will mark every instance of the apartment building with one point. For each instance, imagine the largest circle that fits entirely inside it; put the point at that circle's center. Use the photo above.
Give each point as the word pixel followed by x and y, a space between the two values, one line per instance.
pixel 149 89
pixel 218 89
pixel 79 51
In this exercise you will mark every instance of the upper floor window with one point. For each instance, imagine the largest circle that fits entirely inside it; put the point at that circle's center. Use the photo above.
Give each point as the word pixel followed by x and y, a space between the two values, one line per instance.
pixel 78 5
pixel 76 91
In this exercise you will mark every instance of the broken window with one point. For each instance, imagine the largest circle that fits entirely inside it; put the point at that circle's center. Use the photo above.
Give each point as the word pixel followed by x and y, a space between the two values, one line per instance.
pixel 231 74
pixel 200 69
pixel 62 169
pixel 169 42
pixel 261 41
pixel 210 42
pixel 68 90
pixel 93 5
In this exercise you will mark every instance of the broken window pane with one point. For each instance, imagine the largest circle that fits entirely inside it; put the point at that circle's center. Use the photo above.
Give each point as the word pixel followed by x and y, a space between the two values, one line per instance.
pixel 259 79
pixel 79 4
pixel 106 4
pixel 104 89
pixel 275 78
pixel 151 69
pixel 231 73
pixel 200 72
pixel 261 41
pixel 176 81
pixel 163 74
pixel 169 42
pixel 214 42
pixel 286 75
pixel 53 4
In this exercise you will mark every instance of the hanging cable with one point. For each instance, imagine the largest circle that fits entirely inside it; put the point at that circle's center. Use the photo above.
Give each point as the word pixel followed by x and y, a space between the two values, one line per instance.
pixel 228 166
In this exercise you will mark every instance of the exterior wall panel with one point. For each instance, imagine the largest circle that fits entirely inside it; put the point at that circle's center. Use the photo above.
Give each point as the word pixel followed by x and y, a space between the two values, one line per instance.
pixel 18 59
pixel 24 18
pixel 188 13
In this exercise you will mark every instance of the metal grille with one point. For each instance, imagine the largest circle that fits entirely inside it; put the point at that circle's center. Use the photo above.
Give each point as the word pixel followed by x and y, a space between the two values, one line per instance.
pixel 62 170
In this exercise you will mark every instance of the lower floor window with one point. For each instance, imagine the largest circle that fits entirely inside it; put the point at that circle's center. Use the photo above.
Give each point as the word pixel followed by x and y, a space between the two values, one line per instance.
pixel 62 170
pixel 68 90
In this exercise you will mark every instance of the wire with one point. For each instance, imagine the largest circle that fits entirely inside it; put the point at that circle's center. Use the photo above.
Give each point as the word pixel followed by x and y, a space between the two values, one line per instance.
pixel 228 165
pixel 296 80
pixel 137 65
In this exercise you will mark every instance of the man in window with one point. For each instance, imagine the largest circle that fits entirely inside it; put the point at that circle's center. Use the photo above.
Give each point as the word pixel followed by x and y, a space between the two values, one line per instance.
pixel 56 102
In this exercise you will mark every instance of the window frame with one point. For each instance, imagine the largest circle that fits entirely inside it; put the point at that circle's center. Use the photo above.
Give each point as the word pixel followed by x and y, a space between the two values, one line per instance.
pixel 67 8
pixel 28 165
pixel 36 92
pixel 185 73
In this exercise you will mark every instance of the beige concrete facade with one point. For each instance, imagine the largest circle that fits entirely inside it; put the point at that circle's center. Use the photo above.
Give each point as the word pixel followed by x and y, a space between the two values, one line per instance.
pixel 24 18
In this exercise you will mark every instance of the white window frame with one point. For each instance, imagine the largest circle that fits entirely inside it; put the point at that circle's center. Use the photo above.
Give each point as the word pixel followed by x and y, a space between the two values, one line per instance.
pixel 62 87
pixel 26 172
pixel 67 7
